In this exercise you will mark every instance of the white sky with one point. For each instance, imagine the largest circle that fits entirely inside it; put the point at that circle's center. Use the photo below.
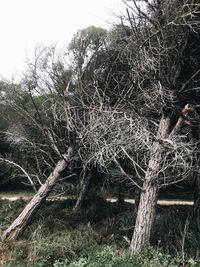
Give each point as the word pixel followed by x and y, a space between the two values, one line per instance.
pixel 27 23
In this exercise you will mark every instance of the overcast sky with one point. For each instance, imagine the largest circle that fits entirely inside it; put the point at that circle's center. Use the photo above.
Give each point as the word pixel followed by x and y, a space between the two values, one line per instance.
pixel 27 23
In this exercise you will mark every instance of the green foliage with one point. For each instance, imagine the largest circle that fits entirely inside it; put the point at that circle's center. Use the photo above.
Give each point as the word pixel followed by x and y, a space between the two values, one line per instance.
pixel 59 238
pixel 175 230
pixel 43 249
pixel 109 256
pixel 85 40
pixel 84 46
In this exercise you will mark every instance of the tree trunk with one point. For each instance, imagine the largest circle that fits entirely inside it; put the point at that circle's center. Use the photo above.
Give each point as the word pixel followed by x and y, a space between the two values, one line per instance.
pixel 21 222
pixel 147 206
pixel 83 193
pixel 196 174
pixel 196 209
pixel 137 198
pixel 148 197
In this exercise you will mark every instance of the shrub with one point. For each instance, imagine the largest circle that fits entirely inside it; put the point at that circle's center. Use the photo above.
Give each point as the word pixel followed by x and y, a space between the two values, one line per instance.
pixel 111 257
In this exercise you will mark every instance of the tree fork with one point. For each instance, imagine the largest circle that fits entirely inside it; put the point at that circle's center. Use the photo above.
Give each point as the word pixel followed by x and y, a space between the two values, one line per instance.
pixel 20 224
pixel 148 198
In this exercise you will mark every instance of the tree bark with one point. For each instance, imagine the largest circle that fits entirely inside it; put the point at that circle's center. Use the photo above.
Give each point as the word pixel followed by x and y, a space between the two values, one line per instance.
pixel 147 204
pixel 148 197
pixel 17 228
pixel 83 193
pixel 196 207
pixel 196 174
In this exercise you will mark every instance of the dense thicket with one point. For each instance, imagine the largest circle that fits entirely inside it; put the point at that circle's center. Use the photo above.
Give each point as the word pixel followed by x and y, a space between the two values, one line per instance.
pixel 125 102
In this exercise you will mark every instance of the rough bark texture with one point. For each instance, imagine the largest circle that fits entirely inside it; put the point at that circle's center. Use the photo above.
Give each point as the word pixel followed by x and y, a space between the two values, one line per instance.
pixel 147 205
pixel 148 197
pixel 83 192
pixel 17 228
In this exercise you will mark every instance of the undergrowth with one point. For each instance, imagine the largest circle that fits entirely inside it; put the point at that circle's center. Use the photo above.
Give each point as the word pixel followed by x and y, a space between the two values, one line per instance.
pixel 99 236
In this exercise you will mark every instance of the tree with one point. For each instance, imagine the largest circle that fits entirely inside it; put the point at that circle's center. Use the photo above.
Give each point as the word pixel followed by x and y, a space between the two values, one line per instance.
pixel 84 50
pixel 11 157
pixel 44 128
pixel 51 125
pixel 157 73
pixel 17 228
pixel 140 130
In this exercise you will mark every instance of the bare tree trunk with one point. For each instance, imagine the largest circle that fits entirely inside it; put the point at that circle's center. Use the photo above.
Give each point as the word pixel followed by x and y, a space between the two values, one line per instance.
pixel 196 174
pixel 148 197
pixel 17 228
pixel 147 205
pixel 83 193
pixel 196 209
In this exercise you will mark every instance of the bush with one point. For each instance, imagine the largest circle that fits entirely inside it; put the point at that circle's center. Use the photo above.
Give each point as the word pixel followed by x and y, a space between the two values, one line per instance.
pixel 111 257
pixel 57 237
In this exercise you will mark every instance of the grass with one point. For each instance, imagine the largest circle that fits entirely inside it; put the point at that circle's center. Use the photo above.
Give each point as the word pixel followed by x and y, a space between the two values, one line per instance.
pixel 98 236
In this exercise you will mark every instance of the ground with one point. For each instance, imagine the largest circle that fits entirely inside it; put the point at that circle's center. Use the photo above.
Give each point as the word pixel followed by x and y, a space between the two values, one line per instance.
pixel 98 236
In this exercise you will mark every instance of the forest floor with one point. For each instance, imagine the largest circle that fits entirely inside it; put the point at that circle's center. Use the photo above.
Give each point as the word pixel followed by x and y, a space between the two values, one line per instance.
pixel 98 236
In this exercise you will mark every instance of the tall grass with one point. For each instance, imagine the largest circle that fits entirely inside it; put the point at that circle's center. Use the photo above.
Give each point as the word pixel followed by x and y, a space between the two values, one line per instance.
pixel 98 236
